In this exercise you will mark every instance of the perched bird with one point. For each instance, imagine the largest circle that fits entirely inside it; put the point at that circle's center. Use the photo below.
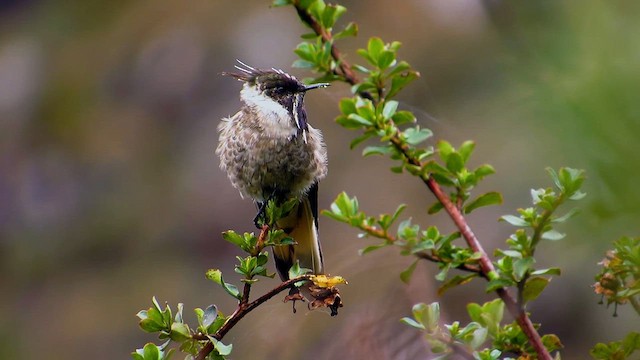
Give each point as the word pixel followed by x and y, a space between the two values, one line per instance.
pixel 270 152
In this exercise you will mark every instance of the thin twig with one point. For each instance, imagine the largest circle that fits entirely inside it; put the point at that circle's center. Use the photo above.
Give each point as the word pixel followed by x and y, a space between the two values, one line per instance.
pixel 245 308
pixel 454 213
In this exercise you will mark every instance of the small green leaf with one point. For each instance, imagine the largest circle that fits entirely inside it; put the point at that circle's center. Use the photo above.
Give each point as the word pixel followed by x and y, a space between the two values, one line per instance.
pixel 490 198
pixel 389 109
pixel 347 106
pixel 549 271
pixel 484 170
pixel 445 149
pixel 234 238
pixel 433 209
pixel 350 30
pixel 386 59
pixel 553 235
pixel 533 288
pixel 296 271
pixel 151 326
pixel 415 136
pixel 552 342
pixel 455 281
pixel 221 348
pixel 377 150
pixel 496 284
pixel 303 64
pixel 359 119
pixel 409 321
pixel 215 275
pixel 455 162
pixel 209 316
pixel 514 220
pixel 405 275
pixel 375 46
pixel 466 149
pixel 403 117
pixel 151 352
pixel 398 82
pixel 566 216
pixel 179 332
pixel 522 266
pixel 371 248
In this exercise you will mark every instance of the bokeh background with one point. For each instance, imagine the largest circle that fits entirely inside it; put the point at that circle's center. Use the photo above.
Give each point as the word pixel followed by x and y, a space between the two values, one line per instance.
pixel 110 192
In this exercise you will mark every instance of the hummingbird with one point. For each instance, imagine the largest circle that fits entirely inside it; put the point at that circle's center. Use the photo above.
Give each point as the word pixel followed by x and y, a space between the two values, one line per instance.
pixel 270 152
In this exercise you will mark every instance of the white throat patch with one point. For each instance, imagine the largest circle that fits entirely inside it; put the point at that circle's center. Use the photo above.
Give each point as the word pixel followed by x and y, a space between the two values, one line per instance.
pixel 270 111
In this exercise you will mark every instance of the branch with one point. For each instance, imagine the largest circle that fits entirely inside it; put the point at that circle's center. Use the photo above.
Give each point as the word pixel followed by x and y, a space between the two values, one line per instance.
pixel 485 263
pixel 375 232
pixel 243 309
pixel 460 222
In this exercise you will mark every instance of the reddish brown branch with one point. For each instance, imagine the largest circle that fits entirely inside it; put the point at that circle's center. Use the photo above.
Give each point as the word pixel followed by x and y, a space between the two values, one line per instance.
pixel 243 309
pixel 485 263
pixel 452 210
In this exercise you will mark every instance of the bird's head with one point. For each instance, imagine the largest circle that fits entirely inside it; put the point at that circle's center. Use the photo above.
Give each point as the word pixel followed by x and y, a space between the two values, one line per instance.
pixel 274 91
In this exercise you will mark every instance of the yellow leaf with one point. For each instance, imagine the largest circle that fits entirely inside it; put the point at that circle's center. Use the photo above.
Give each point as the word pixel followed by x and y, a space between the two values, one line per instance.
pixel 325 281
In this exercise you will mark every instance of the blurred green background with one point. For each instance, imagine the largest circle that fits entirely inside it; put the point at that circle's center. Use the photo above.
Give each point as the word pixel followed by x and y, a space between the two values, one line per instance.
pixel 110 192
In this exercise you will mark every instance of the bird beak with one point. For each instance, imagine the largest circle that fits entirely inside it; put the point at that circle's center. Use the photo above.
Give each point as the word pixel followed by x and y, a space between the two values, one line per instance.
pixel 315 86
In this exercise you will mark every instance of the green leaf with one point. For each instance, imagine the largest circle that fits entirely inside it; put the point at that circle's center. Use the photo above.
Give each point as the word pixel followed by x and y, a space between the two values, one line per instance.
pixel 428 315
pixel 455 281
pixel 221 348
pixel 303 64
pixel 234 238
pixel 566 216
pixel 445 149
pixel 347 106
pixel 179 332
pixel 375 46
pixel 433 209
pixel 151 352
pixel 484 170
pixel 209 316
pixel 496 284
pixel 522 266
pixel 386 59
pixel 400 81
pixel 551 342
pixel 490 198
pixel 415 136
pixel 409 321
pixel 377 150
pixel 549 271
pixel 455 162
pixel 553 235
pixel 296 270
pixel 403 117
pixel 466 149
pixel 405 275
pixel 355 142
pixel 389 109
pixel 514 220
pixel 371 248
pixel 215 275
pixel 150 325
pixel 360 120
pixel 350 30
pixel 533 288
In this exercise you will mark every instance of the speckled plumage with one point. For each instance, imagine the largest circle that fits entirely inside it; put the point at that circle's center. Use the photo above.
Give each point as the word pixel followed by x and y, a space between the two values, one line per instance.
pixel 261 162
